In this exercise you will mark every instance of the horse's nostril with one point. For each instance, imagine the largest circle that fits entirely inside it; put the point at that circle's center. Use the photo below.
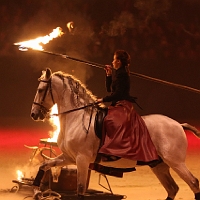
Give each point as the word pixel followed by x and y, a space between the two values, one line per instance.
pixel 33 116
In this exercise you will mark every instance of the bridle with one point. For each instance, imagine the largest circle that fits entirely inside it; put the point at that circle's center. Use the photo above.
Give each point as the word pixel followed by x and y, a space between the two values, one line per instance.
pixel 43 109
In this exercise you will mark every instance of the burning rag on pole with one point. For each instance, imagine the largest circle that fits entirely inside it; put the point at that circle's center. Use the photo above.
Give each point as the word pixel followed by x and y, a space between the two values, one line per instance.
pixel 36 44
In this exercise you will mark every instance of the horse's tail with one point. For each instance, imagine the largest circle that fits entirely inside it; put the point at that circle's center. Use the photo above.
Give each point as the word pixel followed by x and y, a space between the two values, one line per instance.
pixel 187 126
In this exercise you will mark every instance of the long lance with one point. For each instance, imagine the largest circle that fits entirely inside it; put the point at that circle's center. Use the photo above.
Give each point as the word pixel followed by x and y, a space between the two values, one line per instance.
pixel 101 66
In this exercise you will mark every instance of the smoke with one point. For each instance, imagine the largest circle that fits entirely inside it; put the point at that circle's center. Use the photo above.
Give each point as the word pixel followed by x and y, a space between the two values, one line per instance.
pixel 74 43
pixel 81 71
pixel 119 25
pixel 144 11
pixel 153 8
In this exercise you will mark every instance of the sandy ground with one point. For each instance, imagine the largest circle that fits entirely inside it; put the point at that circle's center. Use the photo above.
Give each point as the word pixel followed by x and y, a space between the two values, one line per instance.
pixel 143 185
pixel 139 185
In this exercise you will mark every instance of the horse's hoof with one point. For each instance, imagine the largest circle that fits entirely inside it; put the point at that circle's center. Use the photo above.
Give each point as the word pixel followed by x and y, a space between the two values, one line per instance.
pixel 168 198
pixel 197 196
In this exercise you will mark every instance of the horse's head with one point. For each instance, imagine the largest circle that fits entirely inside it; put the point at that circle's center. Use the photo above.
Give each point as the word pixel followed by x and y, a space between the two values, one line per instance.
pixel 43 100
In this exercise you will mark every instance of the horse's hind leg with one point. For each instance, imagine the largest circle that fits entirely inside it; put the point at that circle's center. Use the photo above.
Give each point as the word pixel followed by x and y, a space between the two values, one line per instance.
pixel 163 174
pixel 188 177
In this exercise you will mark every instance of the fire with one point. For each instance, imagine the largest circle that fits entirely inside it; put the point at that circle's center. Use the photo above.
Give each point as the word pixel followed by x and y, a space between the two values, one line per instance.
pixel 70 26
pixel 56 123
pixel 36 43
pixel 20 175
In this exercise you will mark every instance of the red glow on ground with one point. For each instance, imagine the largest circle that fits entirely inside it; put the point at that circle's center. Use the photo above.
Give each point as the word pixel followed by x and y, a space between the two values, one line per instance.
pixel 13 140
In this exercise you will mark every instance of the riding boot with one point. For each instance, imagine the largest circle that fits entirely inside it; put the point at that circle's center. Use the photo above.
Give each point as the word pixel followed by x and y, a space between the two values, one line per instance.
pixel 197 196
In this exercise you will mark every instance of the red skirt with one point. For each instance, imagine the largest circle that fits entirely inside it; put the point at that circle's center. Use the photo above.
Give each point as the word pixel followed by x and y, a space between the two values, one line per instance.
pixel 125 134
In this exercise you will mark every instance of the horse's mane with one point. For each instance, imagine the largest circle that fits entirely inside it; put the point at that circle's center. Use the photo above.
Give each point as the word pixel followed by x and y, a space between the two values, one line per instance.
pixel 81 87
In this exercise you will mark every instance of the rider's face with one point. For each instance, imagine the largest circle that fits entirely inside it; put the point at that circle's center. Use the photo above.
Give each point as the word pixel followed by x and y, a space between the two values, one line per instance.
pixel 116 62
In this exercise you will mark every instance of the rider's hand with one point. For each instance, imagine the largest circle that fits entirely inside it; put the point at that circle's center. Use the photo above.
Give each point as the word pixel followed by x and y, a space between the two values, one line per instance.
pixel 63 56
pixel 99 100
pixel 108 69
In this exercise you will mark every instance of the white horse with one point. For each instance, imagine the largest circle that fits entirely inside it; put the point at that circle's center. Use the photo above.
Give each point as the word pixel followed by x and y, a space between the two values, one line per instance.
pixel 79 144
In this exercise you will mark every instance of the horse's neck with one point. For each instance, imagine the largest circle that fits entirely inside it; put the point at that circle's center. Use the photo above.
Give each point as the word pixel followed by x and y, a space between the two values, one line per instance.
pixel 60 93
pixel 78 95
pixel 76 127
pixel 70 94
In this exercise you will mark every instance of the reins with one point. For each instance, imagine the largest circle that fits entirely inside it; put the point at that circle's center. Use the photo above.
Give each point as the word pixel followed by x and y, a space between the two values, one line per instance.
pixel 75 109
pixel 80 108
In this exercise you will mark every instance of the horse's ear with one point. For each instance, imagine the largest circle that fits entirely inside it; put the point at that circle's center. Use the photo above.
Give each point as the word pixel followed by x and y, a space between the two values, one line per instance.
pixel 48 73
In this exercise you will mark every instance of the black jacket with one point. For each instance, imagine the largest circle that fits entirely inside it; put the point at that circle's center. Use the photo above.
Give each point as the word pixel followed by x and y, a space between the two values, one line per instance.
pixel 119 86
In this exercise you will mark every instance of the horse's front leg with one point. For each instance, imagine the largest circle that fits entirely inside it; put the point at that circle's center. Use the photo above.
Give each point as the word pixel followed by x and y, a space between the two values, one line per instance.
pixel 82 163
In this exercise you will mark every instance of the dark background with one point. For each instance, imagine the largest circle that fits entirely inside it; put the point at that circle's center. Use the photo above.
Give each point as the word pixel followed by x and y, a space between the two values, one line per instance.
pixel 162 37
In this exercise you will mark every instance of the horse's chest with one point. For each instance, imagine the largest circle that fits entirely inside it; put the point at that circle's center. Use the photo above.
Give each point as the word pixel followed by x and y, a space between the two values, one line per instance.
pixel 68 144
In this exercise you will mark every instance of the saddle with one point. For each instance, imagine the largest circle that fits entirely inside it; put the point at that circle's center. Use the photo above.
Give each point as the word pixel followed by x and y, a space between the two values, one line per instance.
pixel 98 124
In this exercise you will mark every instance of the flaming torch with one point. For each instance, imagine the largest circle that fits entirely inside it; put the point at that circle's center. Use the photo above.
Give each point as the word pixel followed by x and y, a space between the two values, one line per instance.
pixel 36 43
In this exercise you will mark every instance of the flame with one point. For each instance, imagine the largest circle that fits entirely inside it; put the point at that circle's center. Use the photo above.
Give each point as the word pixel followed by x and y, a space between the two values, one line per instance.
pixel 70 26
pixel 36 43
pixel 56 123
pixel 20 175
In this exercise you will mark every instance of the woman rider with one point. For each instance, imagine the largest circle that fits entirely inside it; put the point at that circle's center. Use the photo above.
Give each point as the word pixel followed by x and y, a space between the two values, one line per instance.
pixel 125 133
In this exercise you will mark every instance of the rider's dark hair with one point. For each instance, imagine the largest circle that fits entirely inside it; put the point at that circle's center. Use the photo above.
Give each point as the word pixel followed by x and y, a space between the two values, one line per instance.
pixel 125 59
